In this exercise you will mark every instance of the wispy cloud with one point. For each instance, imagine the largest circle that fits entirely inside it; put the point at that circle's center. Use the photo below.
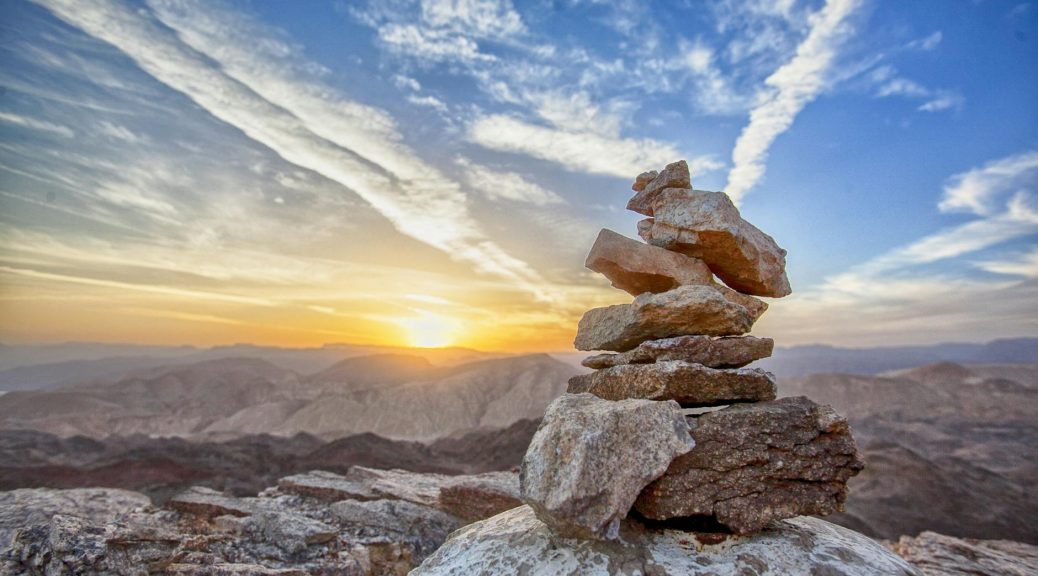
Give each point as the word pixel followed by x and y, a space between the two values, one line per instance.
pixel 357 146
pixel 977 190
pixel 503 185
pixel 787 91
pixel 35 124
pixel 890 84
pixel 579 151
pixel 927 43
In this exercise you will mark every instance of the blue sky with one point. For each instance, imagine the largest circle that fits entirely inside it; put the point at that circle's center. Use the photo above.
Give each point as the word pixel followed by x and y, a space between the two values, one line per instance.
pixel 299 172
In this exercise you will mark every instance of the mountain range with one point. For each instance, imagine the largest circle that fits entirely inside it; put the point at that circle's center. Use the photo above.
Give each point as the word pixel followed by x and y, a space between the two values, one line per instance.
pixel 394 396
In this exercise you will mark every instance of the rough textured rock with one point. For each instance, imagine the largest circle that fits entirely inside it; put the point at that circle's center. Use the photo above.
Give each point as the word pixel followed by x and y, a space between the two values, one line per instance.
pixel 389 521
pixel 590 458
pixel 755 463
pixel 675 175
pixel 724 352
pixel 679 312
pixel 643 180
pixel 95 531
pixel 517 542
pixel 30 506
pixel 938 555
pixel 636 268
pixel 481 496
pixel 202 501
pixel 706 225
pixel 326 486
pixel 688 384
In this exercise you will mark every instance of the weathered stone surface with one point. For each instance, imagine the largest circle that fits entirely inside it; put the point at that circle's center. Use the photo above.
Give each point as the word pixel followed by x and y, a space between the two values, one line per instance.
pixel 688 384
pixel 30 506
pixel 679 312
pixel 636 268
pixel 756 463
pixel 706 225
pixel 202 501
pixel 939 555
pixel 643 180
pixel 590 458
pixel 724 352
pixel 481 496
pixel 388 521
pixel 421 489
pixel 327 486
pixel 675 175
pixel 517 542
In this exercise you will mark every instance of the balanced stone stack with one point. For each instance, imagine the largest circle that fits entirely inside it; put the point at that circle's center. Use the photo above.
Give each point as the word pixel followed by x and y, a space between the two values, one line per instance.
pixel 670 424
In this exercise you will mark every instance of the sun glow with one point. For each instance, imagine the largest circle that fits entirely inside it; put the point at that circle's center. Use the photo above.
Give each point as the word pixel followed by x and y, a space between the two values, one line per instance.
pixel 430 330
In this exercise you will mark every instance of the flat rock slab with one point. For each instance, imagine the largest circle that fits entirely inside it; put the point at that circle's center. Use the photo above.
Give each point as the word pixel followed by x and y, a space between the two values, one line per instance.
pixel 723 352
pixel 387 521
pixel 517 542
pixel 636 268
pixel 481 496
pixel 202 501
pixel 756 463
pixel 590 458
pixel 675 175
pixel 679 312
pixel 688 384
pixel 706 225
pixel 327 486
pixel 942 555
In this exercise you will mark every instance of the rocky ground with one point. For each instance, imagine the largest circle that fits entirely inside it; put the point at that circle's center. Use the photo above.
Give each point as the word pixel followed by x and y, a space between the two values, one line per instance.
pixel 364 522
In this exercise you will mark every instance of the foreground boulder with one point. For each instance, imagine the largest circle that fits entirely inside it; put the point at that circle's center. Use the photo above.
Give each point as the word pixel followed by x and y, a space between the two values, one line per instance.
pixel 756 463
pixel 590 458
pixel 368 522
pixel 707 225
pixel 724 352
pixel 682 311
pixel 688 384
pixel 518 542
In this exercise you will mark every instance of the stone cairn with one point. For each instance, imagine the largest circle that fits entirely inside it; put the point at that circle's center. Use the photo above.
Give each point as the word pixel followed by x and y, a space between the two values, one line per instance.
pixel 643 434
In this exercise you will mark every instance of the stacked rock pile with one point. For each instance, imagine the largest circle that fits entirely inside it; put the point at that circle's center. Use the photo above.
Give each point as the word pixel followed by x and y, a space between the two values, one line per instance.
pixel 645 431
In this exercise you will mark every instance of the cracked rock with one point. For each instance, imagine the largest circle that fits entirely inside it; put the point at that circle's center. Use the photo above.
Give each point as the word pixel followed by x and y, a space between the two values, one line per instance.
pixel 679 312
pixel 756 463
pixel 688 384
pixel 724 352
pixel 590 458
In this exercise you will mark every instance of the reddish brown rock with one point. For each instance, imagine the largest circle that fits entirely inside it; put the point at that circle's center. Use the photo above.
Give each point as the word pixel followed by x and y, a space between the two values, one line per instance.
pixel 723 352
pixel 481 496
pixel 679 312
pixel 643 180
pixel 706 225
pixel 636 268
pixel 755 463
pixel 206 502
pixel 675 175
pixel 688 384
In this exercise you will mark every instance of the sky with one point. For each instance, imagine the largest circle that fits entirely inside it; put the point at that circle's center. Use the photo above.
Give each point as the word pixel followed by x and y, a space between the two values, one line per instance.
pixel 433 172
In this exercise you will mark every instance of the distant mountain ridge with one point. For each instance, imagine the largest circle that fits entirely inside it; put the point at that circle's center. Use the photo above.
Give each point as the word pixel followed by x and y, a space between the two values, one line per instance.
pixel 396 396
pixel 35 367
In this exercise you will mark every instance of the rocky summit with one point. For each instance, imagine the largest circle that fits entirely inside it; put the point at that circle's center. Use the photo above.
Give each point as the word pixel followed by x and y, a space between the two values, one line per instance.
pixel 736 463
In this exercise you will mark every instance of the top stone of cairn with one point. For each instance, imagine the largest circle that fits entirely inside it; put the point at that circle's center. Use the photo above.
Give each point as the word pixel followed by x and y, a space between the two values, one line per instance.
pixel 708 226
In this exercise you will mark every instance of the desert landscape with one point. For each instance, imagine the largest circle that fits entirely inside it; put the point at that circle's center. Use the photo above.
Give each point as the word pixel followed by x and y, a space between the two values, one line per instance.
pixel 510 287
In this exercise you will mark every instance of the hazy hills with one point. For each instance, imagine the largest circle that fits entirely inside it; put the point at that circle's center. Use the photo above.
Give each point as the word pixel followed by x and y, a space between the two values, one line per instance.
pixel 36 367
pixel 393 396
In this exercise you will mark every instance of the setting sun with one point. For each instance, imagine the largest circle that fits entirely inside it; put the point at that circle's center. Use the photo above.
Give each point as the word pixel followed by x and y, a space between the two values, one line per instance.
pixel 429 330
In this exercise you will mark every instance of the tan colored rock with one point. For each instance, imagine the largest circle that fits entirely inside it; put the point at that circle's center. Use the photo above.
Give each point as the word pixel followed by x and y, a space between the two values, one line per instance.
pixel 643 180
pixel 590 459
pixel 679 312
pixel 691 385
pixel 636 268
pixel 675 175
pixel 757 463
pixel 706 225
pixel 723 352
